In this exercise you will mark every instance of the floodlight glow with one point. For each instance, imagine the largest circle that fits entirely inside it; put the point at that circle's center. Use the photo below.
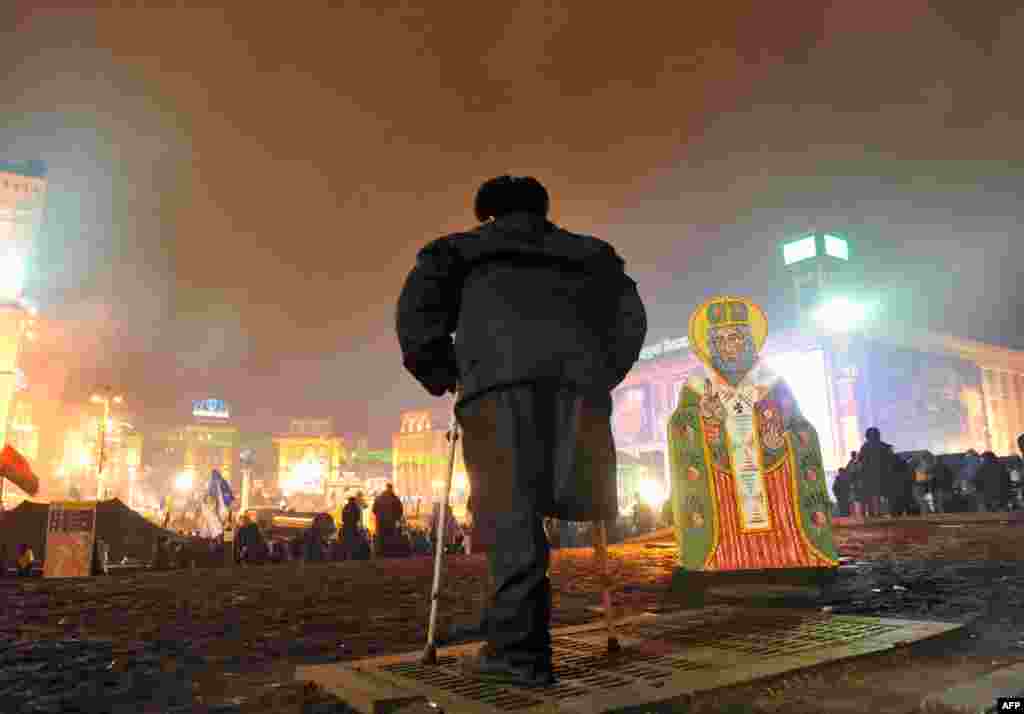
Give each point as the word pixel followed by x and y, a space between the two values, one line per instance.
pixel 840 314
pixel 837 247
pixel 183 482
pixel 303 477
pixel 652 493
pixel 12 276
pixel 805 374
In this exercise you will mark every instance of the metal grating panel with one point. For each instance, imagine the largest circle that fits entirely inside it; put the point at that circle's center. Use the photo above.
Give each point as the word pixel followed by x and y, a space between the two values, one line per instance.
pixel 662 657
pixel 786 635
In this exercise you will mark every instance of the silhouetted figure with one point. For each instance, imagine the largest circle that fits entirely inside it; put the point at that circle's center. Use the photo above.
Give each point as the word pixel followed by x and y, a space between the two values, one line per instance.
pixel 351 517
pixel 940 483
pixel 387 509
pixel 993 481
pixel 971 464
pixel 876 468
pixel 547 324
pixel 841 490
pixel 314 539
pixel 252 547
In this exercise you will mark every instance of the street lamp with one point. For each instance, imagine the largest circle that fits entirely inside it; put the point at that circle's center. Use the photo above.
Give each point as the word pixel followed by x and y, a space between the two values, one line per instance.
pixel 824 285
pixel 106 398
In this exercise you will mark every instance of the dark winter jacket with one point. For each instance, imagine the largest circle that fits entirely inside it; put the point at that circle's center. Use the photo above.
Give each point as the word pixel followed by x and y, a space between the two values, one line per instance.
pixel 877 462
pixel 351 516
pixel 940 477
pixel 993 481
pixel 388 509
pixel 528 303
pixel 841 486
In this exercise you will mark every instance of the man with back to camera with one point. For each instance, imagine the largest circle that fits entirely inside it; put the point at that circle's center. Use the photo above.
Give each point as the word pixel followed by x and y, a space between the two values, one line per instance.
pixel 546 324
pixel 876 459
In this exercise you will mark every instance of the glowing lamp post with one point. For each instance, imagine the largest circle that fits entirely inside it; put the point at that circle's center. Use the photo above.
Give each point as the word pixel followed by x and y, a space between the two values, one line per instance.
pixel 823 289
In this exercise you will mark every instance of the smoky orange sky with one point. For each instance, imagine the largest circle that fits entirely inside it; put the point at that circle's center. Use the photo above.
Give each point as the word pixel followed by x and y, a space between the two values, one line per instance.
pixel 236 195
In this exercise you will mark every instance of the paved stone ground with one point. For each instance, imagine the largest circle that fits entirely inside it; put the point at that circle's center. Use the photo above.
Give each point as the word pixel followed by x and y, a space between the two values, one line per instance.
pixel 228 640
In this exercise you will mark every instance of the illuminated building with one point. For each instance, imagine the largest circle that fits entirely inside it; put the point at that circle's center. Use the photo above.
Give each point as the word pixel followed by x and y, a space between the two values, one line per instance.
pixel 122 458
pixel 922 390
pixel 22 194
pixel 310 459
pixel 22 433
pixel 209 442
pixel 420 452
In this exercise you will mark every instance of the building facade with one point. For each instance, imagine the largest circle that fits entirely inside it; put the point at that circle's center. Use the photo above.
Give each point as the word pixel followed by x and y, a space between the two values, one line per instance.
pixel 311 459
pixel 194 449
pixel 420 452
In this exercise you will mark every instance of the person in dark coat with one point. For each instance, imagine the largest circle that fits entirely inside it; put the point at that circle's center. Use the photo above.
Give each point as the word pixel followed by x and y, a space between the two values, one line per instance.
pixel 841 490
pixel 853 474
pixel 387 509
pixel 546 324
pixel 314 541
pixel 250 543
pixel 940 483
pixel 900 493
pixel 876 465
pixel 351 517
pixel 993 484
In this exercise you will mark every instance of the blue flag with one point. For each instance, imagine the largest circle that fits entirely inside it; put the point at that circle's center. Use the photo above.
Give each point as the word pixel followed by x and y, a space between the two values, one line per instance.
pixel 220 489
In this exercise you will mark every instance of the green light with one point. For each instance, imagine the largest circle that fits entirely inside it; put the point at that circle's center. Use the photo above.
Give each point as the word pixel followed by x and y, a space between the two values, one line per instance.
pixel 799 250
pixel 837 247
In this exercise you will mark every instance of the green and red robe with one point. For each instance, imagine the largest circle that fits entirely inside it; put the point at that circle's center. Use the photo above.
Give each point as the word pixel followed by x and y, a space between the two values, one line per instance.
pixel 748 485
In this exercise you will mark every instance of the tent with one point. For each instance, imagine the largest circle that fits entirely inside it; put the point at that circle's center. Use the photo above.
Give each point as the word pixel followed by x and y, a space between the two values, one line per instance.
pixel 126 532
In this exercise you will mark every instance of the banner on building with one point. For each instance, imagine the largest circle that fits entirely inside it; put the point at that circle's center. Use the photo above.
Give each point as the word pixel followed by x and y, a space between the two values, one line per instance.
pixel 70 534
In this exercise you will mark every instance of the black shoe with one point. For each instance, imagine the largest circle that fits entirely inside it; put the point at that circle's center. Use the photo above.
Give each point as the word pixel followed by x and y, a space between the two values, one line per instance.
pixel 464 633
pixel 486 667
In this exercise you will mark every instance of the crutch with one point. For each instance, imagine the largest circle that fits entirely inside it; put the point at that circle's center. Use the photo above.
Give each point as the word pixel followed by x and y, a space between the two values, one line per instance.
pixel 430 653
pixel 601 550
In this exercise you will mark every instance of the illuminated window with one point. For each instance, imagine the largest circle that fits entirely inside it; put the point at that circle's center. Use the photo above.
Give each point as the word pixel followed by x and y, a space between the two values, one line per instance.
pixel 798 250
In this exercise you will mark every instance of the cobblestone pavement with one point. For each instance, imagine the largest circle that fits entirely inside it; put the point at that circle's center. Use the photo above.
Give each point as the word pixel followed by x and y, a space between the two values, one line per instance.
pixel 228 640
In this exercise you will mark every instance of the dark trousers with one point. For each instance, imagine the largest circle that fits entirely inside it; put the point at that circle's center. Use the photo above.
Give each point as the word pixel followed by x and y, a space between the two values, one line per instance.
pixel 509 454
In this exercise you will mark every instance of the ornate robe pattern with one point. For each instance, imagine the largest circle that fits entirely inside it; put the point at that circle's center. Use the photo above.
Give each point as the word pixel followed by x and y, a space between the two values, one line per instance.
pixel 748 483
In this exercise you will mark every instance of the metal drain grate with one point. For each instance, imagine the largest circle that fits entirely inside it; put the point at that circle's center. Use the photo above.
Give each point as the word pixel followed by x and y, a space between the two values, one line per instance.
pixel 662 657
pixel 581 667
pixel 443 678
pixel 767 637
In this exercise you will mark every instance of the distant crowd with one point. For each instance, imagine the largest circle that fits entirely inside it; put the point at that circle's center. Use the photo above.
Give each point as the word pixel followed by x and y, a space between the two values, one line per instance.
pixel 394 536
pixel 877 481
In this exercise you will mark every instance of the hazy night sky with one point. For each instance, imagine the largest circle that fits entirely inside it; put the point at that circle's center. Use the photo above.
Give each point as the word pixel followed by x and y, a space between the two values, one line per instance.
pixel 237 196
